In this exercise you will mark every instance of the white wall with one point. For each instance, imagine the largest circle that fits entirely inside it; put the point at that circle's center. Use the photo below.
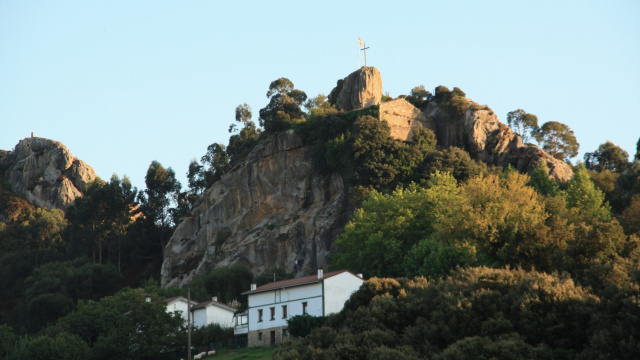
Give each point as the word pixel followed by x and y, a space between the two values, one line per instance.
pixel 292 297
pixel 212 314
pixel 200 317
pixel 179 306
pixel 338 289
pixel 218 315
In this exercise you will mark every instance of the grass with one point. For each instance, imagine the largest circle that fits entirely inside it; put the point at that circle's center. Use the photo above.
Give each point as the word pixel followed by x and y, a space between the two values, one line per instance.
pixel 255 353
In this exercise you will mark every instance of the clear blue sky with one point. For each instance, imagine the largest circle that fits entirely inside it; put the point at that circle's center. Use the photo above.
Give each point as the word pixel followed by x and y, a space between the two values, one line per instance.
pixel 123 83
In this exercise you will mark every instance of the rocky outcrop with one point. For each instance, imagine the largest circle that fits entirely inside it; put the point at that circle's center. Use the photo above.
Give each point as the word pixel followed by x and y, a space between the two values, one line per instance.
pixel 45 172
pixel 488 140
pixel 272 209
pixel 362 88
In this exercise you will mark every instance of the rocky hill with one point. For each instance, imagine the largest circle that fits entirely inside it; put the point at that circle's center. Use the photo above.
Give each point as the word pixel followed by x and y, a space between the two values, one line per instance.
pixel 272 209
pixel 276 207
pixel 45 172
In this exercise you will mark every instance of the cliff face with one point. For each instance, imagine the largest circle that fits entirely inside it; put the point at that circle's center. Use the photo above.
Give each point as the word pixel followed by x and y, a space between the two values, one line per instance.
pixel 271 210
pixel 488 140
pixel 45 172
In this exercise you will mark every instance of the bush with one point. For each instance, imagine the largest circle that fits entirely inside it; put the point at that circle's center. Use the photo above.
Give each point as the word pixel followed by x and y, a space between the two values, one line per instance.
pixel 62 346
pixel 301 325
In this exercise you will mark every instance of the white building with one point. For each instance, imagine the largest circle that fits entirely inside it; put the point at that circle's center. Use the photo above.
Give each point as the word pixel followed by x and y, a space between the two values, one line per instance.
pixel 213 312
pixel 179 304
pixel 271 305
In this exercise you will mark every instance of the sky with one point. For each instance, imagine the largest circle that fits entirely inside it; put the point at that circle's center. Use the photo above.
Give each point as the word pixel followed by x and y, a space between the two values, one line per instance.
pixel 124 83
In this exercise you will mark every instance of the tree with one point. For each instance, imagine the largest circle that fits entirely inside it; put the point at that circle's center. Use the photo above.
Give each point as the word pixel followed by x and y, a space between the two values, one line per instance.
pixel 419 96
pixel 384 230
pixel 608 157
pixel 131 324
pixel 162 187
pixel 284 106
pixel 522 123
pixel 215 162
pixel 101 217
pixel 60 346
pixel 558 140
pixel 243 113
pixel 319 106
pixel 583 195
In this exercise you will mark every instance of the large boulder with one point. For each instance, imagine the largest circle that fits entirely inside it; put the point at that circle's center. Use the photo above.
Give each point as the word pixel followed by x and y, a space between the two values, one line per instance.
pixel 45 172
pixel 272 209
pixel 362 88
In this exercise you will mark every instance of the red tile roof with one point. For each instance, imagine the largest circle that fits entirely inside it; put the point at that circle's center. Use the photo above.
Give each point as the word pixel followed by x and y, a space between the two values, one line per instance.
pixel 311 279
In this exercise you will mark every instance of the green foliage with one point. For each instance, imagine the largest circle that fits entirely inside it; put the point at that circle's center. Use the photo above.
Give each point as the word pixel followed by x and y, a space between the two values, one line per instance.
pixel 583 195
pixel 383 231
pixel 453 103
pixel 631 216
pixel 419 96
pixel 301 325
pixel 60 346
pixel 99 219
pixel 7 341
pixel 558 140
pixel 452 160
pixel 211 334
pixel 522 123
pixel 283 109
pixel 608 157
pixel 227 283
pixel 473 313
pixel 128 325
pixel 541 181
pixel 271 274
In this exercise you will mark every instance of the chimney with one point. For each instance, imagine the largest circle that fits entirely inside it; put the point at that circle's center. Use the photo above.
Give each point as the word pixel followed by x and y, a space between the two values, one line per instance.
pixel 320 274
pixel 215 298
pixel 360 276
pixel 253 286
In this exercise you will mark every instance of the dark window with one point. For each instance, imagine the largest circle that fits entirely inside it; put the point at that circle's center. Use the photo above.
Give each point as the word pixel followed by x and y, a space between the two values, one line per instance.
pixel 273 313
pixel 260 315
pixel 273 338
pixel 284 311
pixel 259 336
pixel 304 308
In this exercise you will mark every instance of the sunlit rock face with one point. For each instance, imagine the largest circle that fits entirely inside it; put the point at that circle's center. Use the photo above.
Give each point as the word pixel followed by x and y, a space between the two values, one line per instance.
pixel 45 172
pixel 272 209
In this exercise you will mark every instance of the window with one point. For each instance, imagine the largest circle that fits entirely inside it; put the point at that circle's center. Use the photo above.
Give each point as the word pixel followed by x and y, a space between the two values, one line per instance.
pixel 259 336
pixel 260 315
pixel 273 313
pixel 304 308
pixel 285 332
pixel 284 311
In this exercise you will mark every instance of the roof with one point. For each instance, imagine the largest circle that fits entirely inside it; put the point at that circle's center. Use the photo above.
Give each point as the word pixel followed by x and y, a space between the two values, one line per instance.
pixel 305 280
pixel 179 298
pixel 203 305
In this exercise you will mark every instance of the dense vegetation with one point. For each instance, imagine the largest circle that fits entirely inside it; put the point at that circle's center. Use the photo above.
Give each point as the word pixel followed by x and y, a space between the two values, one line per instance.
pixel 501 264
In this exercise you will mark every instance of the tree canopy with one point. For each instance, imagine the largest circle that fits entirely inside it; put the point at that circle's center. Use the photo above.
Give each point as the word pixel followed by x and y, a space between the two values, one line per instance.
pixel 522 123
pixel 558 140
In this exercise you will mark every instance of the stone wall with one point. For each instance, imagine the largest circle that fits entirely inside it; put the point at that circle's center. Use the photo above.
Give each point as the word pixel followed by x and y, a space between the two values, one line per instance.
pixel 263 337
pixel 403 117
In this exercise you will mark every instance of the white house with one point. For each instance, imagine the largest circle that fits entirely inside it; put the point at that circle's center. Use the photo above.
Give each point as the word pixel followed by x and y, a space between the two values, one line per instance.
pixel 271 305
pixel 213 312
pixel 179 304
